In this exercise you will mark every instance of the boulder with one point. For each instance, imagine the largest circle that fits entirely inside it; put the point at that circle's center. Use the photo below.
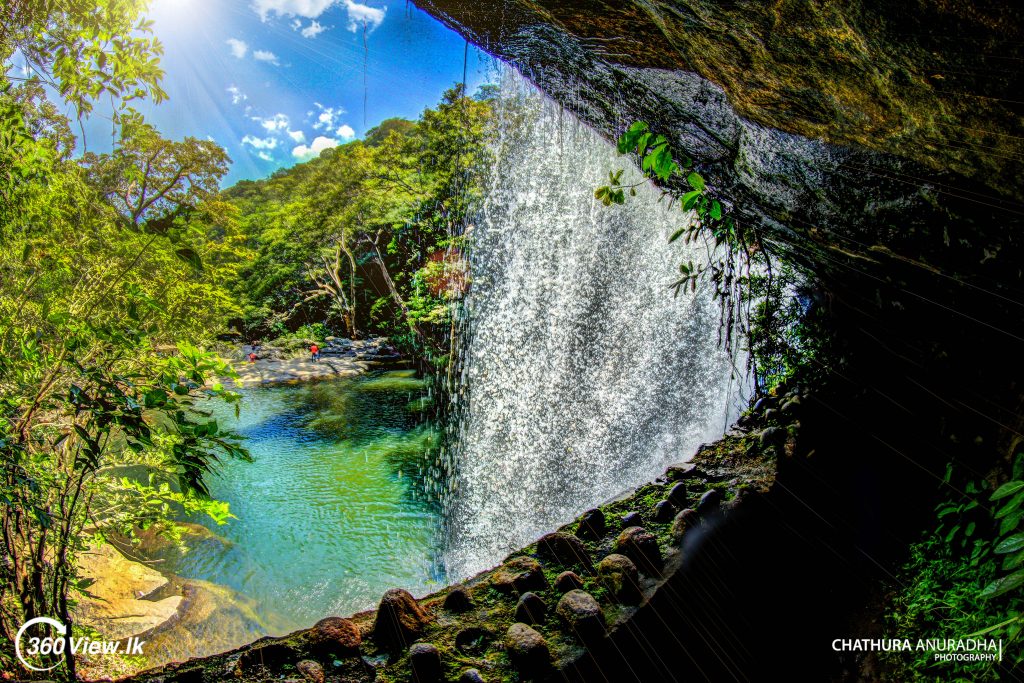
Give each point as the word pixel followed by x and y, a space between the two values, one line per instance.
pixel 677 496
pixel 663 511
pixel 564 550
pixel 580 612
pixel 471 676
pixel 709 502
pixel 458 600
pixel 527 650
pixel 681 471
pixel 592 526
pixel 631 519
pixel 620 576
pixel 567 581
pixel 518 575
pixel 399 621
pixel 531 609
pixel 425 662
pixel 640 546
pixel 335 635
pixel 311 671
pixel 685 520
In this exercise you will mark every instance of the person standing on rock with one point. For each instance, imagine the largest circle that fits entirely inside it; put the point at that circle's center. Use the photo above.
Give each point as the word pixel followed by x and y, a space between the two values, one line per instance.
pixel 314 351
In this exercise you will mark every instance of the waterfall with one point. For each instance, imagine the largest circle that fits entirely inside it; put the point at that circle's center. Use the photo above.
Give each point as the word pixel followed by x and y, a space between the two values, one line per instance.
pixel 582 375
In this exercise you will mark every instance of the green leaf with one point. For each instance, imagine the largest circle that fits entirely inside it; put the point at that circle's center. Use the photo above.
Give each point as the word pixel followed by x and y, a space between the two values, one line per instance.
pixel 190 257
pixel 716 210
pixel 689 199
pixel 1003 585
pixel 1010 544
pixel 1007 489
pixel 1013 560
pixel 676 235
pixel 1014 504
pixel 696 181
pixel 1010 522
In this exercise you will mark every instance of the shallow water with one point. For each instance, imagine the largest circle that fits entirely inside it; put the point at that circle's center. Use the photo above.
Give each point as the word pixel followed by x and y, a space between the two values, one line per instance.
pixel 330 514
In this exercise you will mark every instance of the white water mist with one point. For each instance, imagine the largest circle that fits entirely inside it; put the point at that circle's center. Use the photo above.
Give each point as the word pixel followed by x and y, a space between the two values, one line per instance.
pixel 583 375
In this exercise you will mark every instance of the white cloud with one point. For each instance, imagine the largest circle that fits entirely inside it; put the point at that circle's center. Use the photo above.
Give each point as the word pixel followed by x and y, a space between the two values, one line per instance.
pixel 238 47
pixel 237 96
pixel 274 123
pixel 297 135
pixel 360 15
pixel 266 156
pixel 259 143
pixel 345 132
pixel 325 119
pixel 296 24
pixel 265 56
pixel 319 144
pixel 310 9
pixel 313 30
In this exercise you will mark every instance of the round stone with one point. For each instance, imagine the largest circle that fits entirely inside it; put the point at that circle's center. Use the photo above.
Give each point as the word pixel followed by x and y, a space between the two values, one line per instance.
pixel 581 613
pixel 399 621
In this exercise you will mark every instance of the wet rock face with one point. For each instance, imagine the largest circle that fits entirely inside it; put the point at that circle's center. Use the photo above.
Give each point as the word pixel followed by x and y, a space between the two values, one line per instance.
pixel 877 147
pixel 899 78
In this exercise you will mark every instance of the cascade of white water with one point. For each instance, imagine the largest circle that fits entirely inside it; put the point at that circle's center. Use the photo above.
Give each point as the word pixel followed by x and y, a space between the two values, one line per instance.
pixel 583 375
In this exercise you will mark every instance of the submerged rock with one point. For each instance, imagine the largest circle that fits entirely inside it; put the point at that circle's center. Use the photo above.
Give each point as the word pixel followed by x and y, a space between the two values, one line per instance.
pixel 531 609
pixel 471 676
pixel 527 649
pixel 582 615
pixel 518 575
pixel 399 621
pixel 640 546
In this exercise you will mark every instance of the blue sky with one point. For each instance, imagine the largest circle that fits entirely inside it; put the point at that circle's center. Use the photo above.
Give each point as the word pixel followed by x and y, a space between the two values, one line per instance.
pixel 277 81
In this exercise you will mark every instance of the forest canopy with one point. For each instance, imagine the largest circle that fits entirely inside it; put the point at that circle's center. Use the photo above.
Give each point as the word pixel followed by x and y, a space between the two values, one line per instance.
pixel 118 270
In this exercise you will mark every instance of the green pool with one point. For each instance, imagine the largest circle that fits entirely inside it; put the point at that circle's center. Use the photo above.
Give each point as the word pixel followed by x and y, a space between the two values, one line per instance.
pixel 331 513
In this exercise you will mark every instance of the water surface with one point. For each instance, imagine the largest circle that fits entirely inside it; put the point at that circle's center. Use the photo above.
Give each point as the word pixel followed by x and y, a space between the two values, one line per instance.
pixel 329 514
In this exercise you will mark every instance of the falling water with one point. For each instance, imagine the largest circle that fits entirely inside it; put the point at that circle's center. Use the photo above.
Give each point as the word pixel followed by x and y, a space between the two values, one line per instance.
pixel 583 375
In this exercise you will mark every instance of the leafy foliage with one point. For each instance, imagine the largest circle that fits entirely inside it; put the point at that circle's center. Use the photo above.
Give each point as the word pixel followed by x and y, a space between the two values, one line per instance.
pixel 367 237
pixel 964 579
pixel 110 270
pixel 758 296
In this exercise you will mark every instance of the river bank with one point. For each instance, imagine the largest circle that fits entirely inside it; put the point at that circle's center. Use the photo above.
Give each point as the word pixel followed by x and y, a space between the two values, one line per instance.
pixel 293 364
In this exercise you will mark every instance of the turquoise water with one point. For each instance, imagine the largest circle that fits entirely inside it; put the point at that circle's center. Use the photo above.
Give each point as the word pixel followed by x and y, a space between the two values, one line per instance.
pixel 329 514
